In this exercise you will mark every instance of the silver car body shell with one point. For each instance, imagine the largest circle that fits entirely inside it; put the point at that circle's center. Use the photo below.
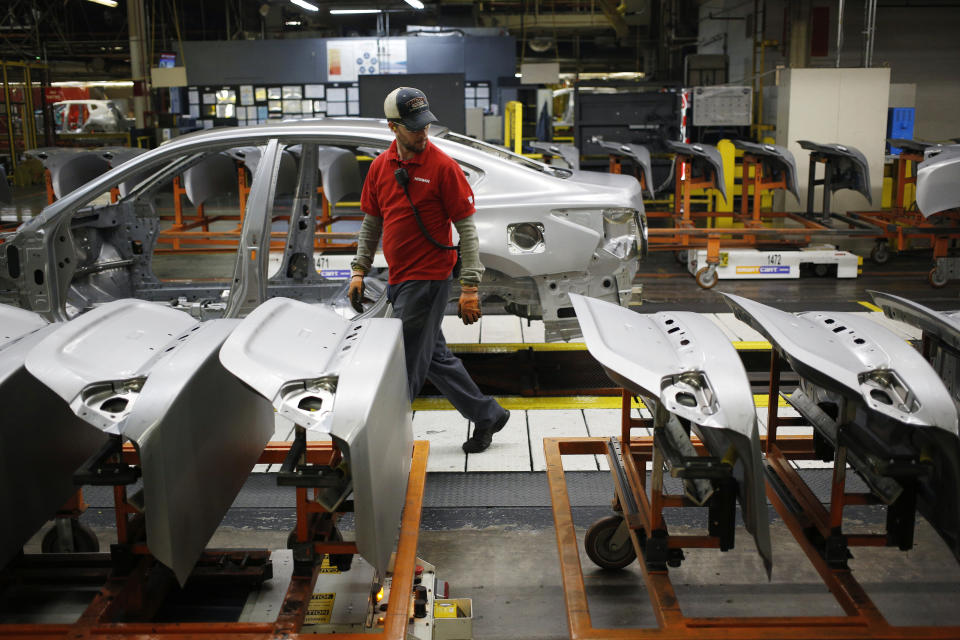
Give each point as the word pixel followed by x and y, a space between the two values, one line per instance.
pixel 882 388
pixel 850 169
pixel 706 160
pixel 582 251
pixel 151 375
pixel 776 160
pixel 41 441
pixel 650 354
pixel 944 326
pixel 343 379
pixel 938 180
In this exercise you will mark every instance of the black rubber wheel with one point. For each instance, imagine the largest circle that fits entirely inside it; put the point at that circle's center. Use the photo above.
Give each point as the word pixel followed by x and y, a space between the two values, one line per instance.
pixel 84 539
pixel 937 278
pixel 597 544
pixel 880 254
pixel 820 270
pixel 680 256
pixel 707 277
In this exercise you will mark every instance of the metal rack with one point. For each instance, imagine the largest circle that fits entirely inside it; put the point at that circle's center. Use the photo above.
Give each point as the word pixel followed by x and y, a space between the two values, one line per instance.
pixel 640 504
pixel 132 588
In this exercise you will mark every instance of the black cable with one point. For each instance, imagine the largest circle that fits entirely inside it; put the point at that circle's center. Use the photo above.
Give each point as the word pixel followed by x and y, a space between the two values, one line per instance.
pixel 403 178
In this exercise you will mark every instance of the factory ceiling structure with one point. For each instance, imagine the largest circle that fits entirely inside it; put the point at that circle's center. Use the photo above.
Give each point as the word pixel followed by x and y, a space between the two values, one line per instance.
pixel 88 39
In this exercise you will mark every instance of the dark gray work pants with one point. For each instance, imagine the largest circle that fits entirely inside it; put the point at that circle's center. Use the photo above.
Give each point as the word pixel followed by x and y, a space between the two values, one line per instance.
pixel 420 305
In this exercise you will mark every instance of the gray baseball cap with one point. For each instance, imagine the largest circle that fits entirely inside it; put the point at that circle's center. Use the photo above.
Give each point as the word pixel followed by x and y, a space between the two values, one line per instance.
pixel 408 106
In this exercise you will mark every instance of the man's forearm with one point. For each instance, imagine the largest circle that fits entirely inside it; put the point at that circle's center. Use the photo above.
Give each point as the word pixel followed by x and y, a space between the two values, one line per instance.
pixel 471 271
pixel 367 241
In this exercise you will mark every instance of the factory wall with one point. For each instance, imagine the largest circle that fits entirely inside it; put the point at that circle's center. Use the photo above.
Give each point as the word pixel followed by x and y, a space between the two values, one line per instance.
pixel 917 42
pixel 480 58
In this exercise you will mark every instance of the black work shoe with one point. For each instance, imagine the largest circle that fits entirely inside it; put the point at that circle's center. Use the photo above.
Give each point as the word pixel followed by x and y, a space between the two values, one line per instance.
pixel 482 438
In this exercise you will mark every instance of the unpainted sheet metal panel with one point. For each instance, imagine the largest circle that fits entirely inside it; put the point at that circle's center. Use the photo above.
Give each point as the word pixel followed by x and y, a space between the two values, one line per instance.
pixel 70 168
pixel 41 441
pixel 850 167
pixel 152 375
pixel 16 323
pixel 116 156
pixel 339 171
pixel 938 180
pixel 668 356
pixel 215 175
pixel 775 157
pixel 569 152
pixel 637 153
pixel 706 156
pixel 839 350
pixel 287 176
pixel 342 378
pixel 897 398
pixel 945 326
pixel 917 146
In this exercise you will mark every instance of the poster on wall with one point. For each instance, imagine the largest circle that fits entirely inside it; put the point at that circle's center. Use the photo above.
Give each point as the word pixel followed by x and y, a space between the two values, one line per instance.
pixel 349 58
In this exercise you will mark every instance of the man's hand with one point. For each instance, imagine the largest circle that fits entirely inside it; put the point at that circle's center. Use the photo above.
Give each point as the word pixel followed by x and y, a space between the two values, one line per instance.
pixel 469 306
pixel 356 292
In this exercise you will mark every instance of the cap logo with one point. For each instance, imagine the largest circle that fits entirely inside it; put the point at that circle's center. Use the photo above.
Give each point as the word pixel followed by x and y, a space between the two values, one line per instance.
pixel 415 103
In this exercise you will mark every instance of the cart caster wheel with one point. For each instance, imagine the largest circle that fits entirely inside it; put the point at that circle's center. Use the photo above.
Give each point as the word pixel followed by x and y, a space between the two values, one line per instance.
pixel 880 254
pixel 707 277
pixel 84 539
pixel 680 256
pixel 937 278
pixel 599 544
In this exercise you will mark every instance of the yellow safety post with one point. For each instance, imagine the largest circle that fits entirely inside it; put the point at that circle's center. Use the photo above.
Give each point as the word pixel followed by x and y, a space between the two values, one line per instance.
pixel 513 126
pixel 29 118
pixel 9 113
pixel 728 156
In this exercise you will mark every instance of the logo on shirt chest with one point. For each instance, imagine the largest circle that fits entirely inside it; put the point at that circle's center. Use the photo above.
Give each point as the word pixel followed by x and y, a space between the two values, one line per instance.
pixel 419 179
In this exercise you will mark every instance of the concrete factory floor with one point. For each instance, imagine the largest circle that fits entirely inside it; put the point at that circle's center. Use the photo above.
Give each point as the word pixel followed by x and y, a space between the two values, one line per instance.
pixel 505 560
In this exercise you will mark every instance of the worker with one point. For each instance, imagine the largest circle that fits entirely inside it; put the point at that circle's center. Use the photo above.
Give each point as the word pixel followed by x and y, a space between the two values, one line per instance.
pixel 411 194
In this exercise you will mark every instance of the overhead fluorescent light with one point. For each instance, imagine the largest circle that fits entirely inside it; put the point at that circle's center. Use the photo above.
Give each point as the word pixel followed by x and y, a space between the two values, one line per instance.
pixel 106 3
pixel 344 12
pixel 416 4
pixel 306 5
pixel 93 83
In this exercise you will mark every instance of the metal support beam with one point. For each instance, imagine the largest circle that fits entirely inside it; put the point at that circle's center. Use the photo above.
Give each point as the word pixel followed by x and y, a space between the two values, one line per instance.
pixel 139 61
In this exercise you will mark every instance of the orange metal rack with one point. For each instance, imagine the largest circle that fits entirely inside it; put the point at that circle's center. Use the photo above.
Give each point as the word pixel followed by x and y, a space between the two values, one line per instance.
pixel 123 596
pixel 861 620
pixel 184 236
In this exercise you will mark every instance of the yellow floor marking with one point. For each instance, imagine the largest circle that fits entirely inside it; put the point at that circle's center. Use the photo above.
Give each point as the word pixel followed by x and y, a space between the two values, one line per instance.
pixel 869 305
pixel 510 347
pixel 516 403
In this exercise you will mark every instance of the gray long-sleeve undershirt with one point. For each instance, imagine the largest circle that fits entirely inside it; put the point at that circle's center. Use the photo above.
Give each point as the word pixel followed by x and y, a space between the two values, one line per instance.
pixel 471 271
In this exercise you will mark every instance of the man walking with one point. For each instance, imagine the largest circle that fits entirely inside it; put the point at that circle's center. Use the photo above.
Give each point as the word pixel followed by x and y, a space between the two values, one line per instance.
pixel 411 195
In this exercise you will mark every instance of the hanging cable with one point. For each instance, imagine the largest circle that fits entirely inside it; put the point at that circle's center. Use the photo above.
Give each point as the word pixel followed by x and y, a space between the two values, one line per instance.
pixel 176 26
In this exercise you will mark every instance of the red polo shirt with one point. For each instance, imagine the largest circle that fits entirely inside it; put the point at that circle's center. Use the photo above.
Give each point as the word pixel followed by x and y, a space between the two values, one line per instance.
pixel 442 195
